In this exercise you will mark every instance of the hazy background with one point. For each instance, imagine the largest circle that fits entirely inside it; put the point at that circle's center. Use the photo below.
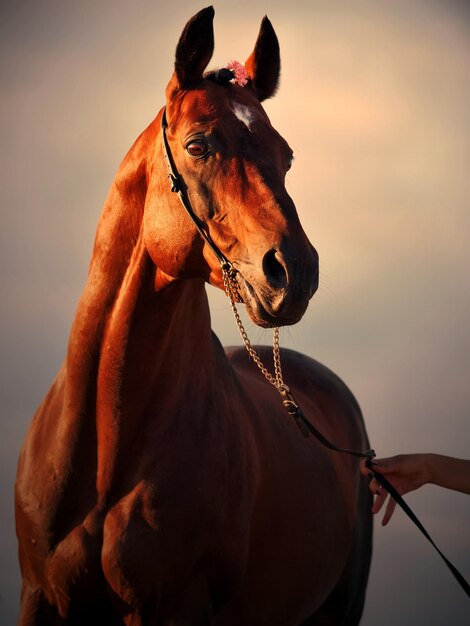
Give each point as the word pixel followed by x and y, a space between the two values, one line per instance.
pixel 374 99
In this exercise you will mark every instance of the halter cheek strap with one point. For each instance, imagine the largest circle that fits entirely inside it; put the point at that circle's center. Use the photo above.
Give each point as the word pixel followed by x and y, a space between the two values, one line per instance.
pixel 178 186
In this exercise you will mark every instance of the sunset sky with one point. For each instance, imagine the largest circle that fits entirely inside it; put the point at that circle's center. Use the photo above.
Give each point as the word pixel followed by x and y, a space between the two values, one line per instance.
pixel 374 99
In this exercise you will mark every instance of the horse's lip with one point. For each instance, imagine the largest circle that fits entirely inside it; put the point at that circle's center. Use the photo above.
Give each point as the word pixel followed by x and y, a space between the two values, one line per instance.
pixel 255 307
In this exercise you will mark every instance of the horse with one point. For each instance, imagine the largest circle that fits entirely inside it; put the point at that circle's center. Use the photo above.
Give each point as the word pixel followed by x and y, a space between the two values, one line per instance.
pixel 161 481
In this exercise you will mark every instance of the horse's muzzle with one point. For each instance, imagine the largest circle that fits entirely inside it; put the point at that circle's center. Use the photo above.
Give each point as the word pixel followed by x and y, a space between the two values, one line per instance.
pixel 280 293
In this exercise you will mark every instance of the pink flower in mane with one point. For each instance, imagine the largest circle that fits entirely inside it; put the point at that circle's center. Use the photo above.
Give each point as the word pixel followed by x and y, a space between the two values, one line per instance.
pixel 240 74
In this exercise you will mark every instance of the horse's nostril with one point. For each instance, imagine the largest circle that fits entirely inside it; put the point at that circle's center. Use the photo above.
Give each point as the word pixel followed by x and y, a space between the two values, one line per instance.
pixel 274 269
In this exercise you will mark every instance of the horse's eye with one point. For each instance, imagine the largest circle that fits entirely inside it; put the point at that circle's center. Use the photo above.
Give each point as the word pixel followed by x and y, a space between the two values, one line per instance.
pixel 197 148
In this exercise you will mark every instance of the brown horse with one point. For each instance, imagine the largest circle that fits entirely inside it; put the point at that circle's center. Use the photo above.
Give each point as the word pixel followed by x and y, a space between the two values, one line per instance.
pixel 162 481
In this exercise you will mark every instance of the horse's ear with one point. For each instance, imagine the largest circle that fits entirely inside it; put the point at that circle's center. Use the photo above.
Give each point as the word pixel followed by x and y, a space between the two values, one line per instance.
pixel 194 51
pixel 264 63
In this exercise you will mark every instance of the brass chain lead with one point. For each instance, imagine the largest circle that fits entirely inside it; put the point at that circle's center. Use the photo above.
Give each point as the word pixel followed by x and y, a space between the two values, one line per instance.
pixel 277 381
pixel 231 289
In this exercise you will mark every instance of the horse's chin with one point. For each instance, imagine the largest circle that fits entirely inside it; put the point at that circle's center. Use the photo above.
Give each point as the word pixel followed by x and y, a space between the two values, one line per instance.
pixel 259 312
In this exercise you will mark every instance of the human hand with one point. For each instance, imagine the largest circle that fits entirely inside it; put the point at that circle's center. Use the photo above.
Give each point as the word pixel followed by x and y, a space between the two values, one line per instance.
pixel 406 472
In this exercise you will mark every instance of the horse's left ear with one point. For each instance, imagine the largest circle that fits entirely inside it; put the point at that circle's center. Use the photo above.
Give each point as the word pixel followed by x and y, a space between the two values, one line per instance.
pixel 264 64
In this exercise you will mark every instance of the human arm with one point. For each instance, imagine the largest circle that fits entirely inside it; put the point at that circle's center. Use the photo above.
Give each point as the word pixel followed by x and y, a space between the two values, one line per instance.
pixel 407 472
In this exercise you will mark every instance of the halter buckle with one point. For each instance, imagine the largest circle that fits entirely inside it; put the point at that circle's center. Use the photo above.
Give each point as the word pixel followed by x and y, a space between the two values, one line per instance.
pixel 174 183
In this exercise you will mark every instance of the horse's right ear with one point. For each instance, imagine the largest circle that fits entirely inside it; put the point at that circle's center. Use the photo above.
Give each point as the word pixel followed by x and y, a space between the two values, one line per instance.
pixel 193 52
pixel 264 63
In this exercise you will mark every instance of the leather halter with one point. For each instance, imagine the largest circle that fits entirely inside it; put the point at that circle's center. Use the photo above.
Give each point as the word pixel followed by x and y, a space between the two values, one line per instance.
pixel 178 186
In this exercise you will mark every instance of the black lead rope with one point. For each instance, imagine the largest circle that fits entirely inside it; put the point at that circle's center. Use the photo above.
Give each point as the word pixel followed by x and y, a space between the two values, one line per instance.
pixel 401 503
pixel 305 426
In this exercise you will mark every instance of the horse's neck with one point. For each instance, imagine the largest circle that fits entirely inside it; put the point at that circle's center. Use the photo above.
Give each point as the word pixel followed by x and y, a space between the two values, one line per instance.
pixel 132 350
pixel 155 346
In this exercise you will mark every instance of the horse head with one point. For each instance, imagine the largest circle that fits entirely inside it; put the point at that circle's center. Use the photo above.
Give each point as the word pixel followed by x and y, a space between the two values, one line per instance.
pixel 233 164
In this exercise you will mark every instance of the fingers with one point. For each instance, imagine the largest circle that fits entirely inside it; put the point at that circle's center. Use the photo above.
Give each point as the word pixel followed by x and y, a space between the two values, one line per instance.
pixel 386 465
pixel 391 504
pixel 365 471
pixel 379 465
pixel 382 466
pixel 380 495
pixel 374 485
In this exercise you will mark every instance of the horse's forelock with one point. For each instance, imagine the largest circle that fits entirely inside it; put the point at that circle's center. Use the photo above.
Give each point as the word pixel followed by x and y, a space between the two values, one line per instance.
pixel 221 76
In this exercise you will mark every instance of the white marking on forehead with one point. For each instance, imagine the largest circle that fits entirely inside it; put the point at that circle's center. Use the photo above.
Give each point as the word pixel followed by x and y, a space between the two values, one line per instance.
pixel 244 114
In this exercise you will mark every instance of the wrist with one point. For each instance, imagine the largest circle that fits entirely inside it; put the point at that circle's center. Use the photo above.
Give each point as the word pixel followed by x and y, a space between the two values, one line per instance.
pixel 429 468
